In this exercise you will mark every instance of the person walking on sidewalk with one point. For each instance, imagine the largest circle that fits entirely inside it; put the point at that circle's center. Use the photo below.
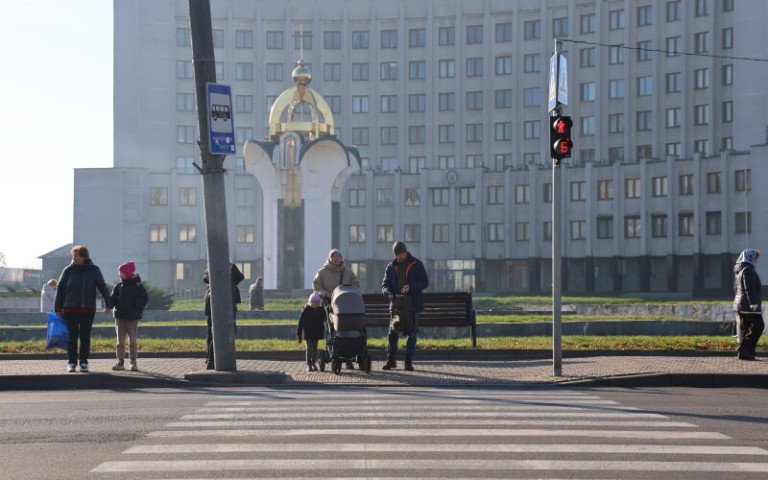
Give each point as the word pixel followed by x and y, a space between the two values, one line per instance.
pixel 256 295
pixel 407 277
pixel 235 277
pixel 129 297
pixel 76 301
pixel 48 296
pixel 311 328
pixel 747 303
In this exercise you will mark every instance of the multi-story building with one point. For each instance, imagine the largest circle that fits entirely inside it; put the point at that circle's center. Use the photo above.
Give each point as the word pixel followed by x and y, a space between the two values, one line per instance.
pixel 446 100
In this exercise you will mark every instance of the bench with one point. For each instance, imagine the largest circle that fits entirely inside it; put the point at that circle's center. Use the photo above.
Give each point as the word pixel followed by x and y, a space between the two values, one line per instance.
pixel 441 309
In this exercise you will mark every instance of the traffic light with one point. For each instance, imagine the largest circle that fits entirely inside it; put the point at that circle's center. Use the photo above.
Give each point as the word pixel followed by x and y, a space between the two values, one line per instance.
pixel 560 138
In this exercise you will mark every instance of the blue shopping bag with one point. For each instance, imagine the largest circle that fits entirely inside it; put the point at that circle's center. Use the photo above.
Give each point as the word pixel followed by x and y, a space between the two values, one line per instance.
pixel 58 333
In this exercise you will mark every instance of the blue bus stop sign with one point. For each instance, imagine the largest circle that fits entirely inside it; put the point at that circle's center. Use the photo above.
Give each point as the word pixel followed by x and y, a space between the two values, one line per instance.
pixel 221 125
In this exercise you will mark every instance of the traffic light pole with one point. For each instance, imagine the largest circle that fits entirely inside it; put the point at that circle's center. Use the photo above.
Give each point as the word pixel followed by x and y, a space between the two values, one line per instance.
pixel 212 170
pixel 557 347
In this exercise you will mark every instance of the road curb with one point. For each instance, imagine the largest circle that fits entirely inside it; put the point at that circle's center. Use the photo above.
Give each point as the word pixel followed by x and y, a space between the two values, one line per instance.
pixel 692 380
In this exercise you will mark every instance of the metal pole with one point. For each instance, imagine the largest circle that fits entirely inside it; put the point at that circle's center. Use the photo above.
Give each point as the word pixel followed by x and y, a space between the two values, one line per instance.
pixel 220 282
pixel 557 353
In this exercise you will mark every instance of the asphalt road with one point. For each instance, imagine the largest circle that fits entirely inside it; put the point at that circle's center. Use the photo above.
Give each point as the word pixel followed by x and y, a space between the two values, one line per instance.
pixel 345 432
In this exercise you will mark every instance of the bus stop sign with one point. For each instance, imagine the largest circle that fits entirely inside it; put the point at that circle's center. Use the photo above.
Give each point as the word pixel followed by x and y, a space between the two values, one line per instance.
pixel 221 127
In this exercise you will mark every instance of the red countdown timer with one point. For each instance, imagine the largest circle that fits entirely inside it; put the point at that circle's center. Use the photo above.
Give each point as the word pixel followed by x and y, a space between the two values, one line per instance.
pixel 560 142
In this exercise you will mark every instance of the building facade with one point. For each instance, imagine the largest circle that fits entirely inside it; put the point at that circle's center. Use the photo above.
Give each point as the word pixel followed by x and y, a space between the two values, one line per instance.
pixel 446 101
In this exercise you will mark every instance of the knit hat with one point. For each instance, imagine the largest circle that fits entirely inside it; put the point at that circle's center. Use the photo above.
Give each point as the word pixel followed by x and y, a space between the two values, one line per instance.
pixel 127 269
pixel 334 251
pixel 315 297
pixel 398 248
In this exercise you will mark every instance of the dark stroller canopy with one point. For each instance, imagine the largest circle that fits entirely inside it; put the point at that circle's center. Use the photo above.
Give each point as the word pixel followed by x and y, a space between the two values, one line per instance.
pixel 346 299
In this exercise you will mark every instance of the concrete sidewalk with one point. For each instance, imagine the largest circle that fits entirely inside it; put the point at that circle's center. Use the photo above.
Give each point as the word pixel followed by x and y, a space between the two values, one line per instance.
pixel 673 369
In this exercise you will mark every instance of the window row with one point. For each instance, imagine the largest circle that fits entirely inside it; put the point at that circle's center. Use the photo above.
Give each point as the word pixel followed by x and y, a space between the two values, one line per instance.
pixel 158 233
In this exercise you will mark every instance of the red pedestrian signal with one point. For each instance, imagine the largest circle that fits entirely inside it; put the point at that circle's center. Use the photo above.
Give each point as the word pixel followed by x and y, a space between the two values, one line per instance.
pixel 560 142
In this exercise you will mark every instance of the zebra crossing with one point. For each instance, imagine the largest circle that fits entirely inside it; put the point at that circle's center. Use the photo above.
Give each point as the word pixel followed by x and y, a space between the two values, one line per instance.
pixel 429 433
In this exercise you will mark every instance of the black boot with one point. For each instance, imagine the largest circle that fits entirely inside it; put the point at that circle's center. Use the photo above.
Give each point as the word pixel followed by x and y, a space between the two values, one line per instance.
pixel 408 364
pixel 391 363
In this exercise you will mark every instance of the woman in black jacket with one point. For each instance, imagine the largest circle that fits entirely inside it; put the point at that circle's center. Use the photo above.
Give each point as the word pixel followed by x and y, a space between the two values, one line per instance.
pixel 76 300
pixel 129 297
pixel 747 303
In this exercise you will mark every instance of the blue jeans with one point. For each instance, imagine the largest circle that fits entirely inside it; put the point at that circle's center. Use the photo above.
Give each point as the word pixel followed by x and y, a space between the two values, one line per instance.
pixel 410 344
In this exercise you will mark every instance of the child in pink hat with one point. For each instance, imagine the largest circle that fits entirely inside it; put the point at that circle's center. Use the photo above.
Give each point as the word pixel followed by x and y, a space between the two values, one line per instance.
pixel 129 298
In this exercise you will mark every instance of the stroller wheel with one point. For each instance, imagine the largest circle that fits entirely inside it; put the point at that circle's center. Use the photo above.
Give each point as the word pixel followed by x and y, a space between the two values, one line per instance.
pixel 336 366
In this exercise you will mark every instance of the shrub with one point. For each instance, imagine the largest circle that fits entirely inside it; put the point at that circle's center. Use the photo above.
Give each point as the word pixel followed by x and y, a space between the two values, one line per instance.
pixel 159 299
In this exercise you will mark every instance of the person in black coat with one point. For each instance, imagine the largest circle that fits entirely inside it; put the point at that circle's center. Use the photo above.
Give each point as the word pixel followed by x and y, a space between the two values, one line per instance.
pixel 311 328
pixel 747 302
pixel 129 298
pixel 236 276
pixel 76 301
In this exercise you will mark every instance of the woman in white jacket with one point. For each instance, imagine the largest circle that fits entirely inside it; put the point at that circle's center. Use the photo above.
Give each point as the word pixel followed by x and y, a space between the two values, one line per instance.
pixel 48 295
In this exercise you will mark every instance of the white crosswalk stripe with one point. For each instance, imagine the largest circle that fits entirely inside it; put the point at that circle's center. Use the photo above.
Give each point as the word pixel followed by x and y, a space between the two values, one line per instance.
pixel 457 433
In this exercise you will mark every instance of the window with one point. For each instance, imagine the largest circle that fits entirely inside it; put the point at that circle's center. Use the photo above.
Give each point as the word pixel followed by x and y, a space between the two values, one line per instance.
pixel 440 232
pixel 244 103
pixel 743 222
pixel 503 131
pixel 701 115
pixel 616 54
pixel 475 100
pixel 332 40
pixel 446 68
pixel 187 233
pixel 577 191
pixel 632 226
pixel 521 193
pixel 187 196
pixel 183 271
pixel 673 11
pixel 547 230
pixel 588 91
pixel 446 36
pixel 274 40
pixel 532 63
pixel 587 23
pixel 742 179
pixel 701 146
pixel 243 39
pixel 616 123
pixel 219 71
pixel 503 32
pixel 501 161
pixel 521 231
pixel 389 39
pixel 302 39
pixel 158 196
pixel 412 233
pixel 701 78
pixel 726 143
pixel 242 134
pixel 643 51
pixel 559 27
pixel 474 132
pixel 587 57
pixel 183 37
pixel 616 19
pixel 357 234
pixel 385 233
pixel 331 72
pixel 417 70
pixel 714 222
pixel 587 155
pixel 334 102
pixel 644 120
pixel 701 42
pixel 531 129
pixel 616 88
pixel 270 100
pixel 185 102
pixel 659 185
pixel 616 154
pixel 673 117
pixel 673 82
pixel 416 37
pixel 474 67
pixel 644 151
pixel 184 70
pixel 727 112
pixel 473 160
pixel 447 102
pixel 360 72
pixel 673 46
pixel 158 233
pixel 467 196
pixel 604 227
pixel 727 74
pixel 466 232
pixel 445 162
pixel 644 15
pixel 713 182
pixel 360 136
pixel 389 70
pixel 474 34
pixel 412 197
pixel 416 102
pixel 275 72
pixel 503 98
pixel 184 165
pixel 727 38
pixel 504 65
pixel 360 104
pixel 632 188
pixel 546 191
pixel 605 189
pixel 356 198
pixel 644 86
pixel 245 234
pixel 359 40
pixel 532 30
pixel 658 226
pixel 702 8
pixel 672 149
pixel 440 196
pixel 685 224
pixel 446 133
pixel 496 195
pixel 495 232
pixel 389 135
pixel 727 5
pixel 185 134
pixel 244 71
pixel 416 134
pixel 246 197
pixel 388 104
pixel 218 38
pixel 577 229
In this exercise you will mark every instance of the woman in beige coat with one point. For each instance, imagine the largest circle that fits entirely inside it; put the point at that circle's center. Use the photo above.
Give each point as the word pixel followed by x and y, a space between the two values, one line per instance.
pixel 333 274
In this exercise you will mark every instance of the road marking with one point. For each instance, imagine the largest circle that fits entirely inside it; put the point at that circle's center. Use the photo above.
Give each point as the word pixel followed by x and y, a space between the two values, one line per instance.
pixel 452 447
pixel 445 432
pixel 441 413
pixel 510 401
pixel 336 464
pixel 322 409
pixel 395 420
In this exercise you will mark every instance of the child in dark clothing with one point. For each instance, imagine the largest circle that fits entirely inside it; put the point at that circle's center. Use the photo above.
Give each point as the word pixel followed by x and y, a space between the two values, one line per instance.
pixel 129 298
pixel 311 327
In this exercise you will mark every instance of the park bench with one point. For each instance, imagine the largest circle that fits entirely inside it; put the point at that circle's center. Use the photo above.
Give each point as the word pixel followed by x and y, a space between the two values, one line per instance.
pixel 441 309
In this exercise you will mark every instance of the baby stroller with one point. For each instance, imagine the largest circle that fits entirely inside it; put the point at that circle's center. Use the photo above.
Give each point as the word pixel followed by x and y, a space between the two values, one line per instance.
pixel 345 338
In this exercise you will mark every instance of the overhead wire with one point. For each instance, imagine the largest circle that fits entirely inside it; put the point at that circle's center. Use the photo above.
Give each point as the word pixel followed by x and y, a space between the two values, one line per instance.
pixel 668 52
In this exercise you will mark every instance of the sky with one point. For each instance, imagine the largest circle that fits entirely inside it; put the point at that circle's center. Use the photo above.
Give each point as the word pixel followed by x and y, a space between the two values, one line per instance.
pixel 55 116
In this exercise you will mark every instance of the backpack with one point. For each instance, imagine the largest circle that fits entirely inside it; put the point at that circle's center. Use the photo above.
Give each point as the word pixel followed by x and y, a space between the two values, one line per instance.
pixel 402 314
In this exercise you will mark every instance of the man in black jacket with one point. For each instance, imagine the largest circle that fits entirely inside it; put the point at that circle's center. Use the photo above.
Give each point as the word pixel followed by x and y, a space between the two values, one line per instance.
pixel 236 276
pixel 747 303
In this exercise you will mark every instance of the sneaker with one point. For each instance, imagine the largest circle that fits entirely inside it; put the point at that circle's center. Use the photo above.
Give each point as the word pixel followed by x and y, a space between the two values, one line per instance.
pixel 389 365
pixel 119 366
pixel 408 366
pixel 134 366
pixel 309 368
pixel 314 367
pixel 72 367
pixel 84 367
